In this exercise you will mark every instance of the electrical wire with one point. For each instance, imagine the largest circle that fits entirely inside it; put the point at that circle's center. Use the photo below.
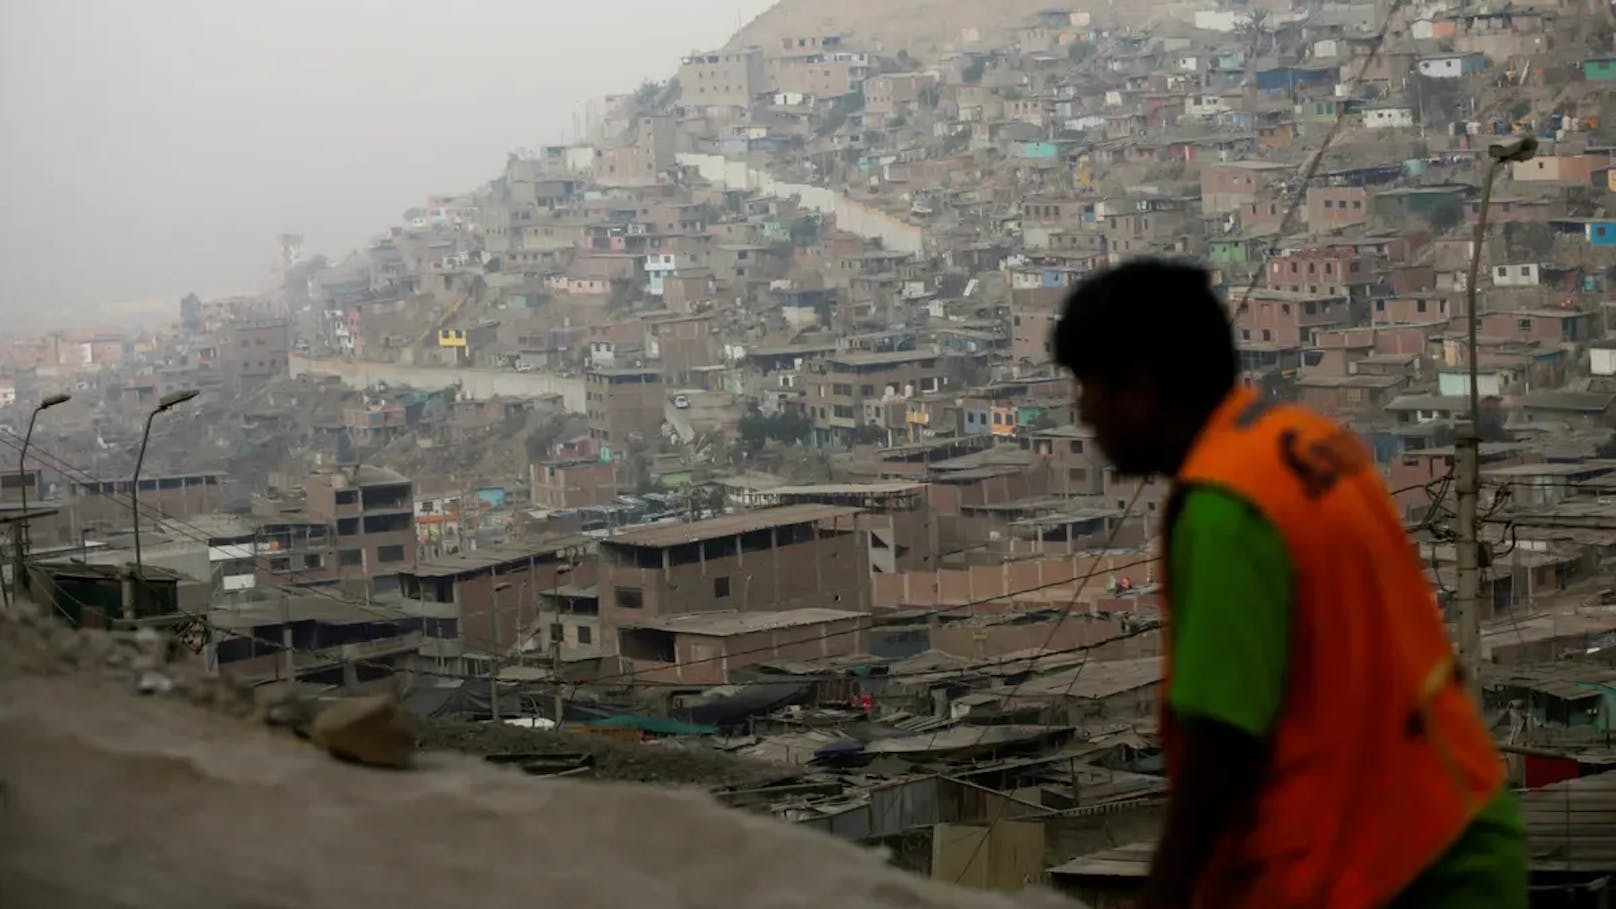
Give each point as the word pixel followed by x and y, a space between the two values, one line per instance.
pixel 46 457
pixel 1312 168
pixel 1014 689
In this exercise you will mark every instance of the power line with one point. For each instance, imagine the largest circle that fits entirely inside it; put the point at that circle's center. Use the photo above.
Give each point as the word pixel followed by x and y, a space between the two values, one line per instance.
pixel 1014 689
pixel 1318 157
pixel 925 614
pixel 53 461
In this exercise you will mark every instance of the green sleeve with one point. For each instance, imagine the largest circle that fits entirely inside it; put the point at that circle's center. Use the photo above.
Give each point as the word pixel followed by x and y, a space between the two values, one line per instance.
pixel 1230 580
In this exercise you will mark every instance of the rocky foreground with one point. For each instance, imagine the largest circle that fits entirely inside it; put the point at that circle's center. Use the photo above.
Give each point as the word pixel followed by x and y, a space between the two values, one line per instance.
pixel 127 780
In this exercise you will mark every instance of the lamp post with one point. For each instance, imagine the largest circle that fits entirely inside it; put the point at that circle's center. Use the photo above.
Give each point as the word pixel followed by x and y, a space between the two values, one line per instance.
pixel 1467 461
pixel 167 402
pixel 22 474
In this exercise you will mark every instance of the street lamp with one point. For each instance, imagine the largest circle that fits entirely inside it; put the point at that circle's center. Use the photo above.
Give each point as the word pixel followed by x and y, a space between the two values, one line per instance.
pixel 166 402
pixel 1467 460
pixel 22 475
pixel 22 458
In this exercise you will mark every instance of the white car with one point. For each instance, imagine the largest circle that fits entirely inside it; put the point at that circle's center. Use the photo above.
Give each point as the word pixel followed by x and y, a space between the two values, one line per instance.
pixel 681 402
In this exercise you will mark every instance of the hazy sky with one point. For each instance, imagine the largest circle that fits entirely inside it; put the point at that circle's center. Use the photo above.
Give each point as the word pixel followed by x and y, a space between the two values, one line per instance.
pixel 149 147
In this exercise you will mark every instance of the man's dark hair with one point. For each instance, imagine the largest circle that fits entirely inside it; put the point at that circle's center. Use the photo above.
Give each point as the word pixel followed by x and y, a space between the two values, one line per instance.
pixel 1150 320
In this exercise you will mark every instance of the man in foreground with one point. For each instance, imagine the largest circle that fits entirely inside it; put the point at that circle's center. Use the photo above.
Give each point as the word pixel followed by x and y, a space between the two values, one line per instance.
pixel 1321 748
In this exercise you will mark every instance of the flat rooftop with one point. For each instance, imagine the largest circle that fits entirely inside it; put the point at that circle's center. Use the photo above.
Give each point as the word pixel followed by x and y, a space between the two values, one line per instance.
pixel 846 489
pixel 489 556
pixel 728 624
pixel 665 535
pixel 882 359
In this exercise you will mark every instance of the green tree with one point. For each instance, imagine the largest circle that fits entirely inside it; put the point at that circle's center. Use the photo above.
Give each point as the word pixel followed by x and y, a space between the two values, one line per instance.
pixel 1045 420
pixel 1079 51
pixel 804 229
pixel 972 74
pixel 789 426
pixel 867 434
pixel 1445 217
pixel 754 429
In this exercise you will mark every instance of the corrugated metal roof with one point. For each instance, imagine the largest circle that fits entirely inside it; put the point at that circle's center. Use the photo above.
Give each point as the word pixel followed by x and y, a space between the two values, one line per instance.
pixel 1131 861
pixel 1571 826
pixel 1096 679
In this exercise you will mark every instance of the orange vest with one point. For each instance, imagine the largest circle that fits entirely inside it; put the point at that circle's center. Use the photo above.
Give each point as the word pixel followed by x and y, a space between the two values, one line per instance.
pixel 1378 757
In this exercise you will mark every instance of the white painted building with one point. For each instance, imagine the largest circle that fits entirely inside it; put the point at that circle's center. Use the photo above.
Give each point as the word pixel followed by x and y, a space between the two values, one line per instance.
pixel 1205 105
pixel 602 353
pixel 657 267
pixel 1525 275
pixel 1388 117
pixel 1602 360
pixel 1220 20
pixel 1451 66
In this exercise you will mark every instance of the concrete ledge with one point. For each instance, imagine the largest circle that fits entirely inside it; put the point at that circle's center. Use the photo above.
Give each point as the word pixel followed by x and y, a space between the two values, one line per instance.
pixel 110 799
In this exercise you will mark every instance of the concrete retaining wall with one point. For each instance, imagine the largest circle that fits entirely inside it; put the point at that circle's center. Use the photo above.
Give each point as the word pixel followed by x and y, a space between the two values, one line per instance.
pixel 851 215
pixel 474 383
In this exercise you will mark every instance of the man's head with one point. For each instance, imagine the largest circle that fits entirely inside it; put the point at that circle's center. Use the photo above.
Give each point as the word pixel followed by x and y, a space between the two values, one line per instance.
pixel 1153 355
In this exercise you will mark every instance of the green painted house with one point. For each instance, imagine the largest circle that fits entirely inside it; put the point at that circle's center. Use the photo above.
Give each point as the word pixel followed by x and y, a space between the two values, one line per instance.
pixel 1599 69
pixel 1236 250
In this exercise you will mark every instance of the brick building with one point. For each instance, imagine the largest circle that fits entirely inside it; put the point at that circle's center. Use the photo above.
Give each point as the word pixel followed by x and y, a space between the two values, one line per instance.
pixel 1333 207
pixel 483 603
pixel 373 511
pixel 572 484
pixel 767 560
pixel 622 403
pixel 1553 326
pixel 705 648
pixel 1033 316
pixel 1225 187
pixel 104 504
pixel 723 78
pixel 254 351
pixel 846 390
pixel 1287 318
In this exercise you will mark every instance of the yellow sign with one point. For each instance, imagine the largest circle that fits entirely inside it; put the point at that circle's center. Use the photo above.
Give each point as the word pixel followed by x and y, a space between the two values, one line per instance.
pixel 452 337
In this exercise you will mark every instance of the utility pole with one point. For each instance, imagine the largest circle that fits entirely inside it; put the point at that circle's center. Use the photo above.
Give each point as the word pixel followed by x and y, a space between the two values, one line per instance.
pixel 289 657
pixel 1467 459
pixel 493 666
pixel 555 673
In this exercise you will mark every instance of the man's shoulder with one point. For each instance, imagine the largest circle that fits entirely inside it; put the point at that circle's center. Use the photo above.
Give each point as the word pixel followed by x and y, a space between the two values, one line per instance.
pixel 1212 508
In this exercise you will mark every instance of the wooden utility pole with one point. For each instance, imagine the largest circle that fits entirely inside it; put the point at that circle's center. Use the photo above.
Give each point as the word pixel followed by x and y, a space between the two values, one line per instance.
pixel 288 658
pixel 1467 457
pixel 493 666
pixel 555 672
